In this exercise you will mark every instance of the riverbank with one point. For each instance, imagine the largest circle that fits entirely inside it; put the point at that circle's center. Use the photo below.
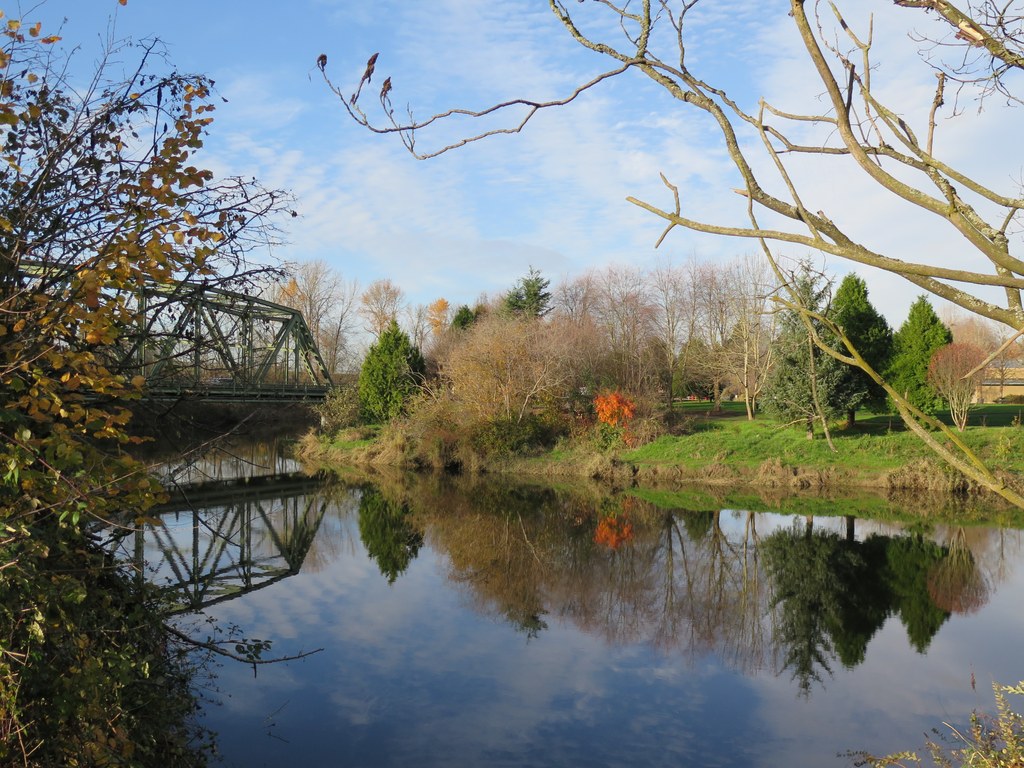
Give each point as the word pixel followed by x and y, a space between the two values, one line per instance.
pixel 877 454
pixel 88 674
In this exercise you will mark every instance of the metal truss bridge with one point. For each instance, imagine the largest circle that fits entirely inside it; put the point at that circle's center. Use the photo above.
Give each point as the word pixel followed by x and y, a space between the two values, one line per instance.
pixel 197 342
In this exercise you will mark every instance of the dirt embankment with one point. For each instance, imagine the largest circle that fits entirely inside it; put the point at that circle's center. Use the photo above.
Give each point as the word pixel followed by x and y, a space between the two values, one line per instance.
pixel 927 477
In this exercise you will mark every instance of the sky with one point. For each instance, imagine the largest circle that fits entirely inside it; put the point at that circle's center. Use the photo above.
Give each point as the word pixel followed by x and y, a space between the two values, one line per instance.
pixel 553 197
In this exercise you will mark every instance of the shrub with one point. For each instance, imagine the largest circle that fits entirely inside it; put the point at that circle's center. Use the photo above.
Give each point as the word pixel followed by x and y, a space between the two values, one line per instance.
pixel 339 410
pixel 503 437
pixel 614 412
pixel 614 409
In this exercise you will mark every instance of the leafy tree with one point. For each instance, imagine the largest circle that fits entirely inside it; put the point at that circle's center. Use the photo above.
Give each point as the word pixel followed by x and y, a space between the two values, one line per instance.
pixel 913 345
pixel 530 297
pixel 806 384
pixel 391 373
pixel 99 195
pixel 439 316
pixel 463 317
pixel 870 333
pixel 380 305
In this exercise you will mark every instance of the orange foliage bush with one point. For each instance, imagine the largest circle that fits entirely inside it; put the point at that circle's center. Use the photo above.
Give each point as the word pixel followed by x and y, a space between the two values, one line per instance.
pixel 614 409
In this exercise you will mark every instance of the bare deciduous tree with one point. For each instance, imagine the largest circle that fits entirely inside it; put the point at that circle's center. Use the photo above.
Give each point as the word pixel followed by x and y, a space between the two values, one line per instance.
pixel 381 303
pixel 672 299
pixel 504 365
pixel 954 371
pixel 327 302
pixel 417 323
pixel 749 352
pixel 625 315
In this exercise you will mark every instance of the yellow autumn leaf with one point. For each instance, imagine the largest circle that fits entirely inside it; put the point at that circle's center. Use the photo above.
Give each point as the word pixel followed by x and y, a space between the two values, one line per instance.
pixel 189 219
pixel 138 381
pixel 35 28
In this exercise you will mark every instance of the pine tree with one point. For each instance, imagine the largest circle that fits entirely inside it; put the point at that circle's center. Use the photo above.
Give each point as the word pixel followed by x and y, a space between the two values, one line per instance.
pixel 872 337
pixel 390 375
pixel 463 317
pixel 530 297
pixel 805 379
pixel 913 344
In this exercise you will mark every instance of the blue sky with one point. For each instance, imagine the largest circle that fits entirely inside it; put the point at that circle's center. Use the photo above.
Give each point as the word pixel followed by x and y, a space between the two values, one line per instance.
pixel 552 197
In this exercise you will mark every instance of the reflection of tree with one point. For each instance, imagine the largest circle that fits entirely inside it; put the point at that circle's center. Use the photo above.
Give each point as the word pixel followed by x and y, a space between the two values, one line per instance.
pixel 908 561
pixel 698 524
pixel 388 536
pixel 955 583
pixel 833 595
pixel 496 538
pixel 863 601
pixel 836 592
pixel 688 582
pixel 800 565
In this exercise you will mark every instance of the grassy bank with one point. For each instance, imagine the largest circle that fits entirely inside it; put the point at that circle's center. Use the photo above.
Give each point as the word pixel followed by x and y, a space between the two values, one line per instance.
pixel 877 452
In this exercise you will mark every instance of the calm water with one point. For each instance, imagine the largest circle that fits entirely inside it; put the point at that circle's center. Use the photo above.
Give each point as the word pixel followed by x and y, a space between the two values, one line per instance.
pixel 479 623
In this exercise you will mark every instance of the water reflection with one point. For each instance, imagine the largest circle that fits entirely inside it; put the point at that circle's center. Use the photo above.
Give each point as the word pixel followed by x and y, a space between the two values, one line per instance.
pixel 386 533
pixel 219 540
pixel 833 593
pixel 801 601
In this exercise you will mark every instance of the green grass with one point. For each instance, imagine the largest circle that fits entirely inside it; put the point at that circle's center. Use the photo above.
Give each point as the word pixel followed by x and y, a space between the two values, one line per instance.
pixel 874 445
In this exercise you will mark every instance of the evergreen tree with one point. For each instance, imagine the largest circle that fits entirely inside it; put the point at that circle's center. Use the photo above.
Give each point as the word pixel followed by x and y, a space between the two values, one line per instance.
pixel 803 373
pixel 390 374
pixel 872 337
pixel 530 297
pixel 913 344
pixel 463 317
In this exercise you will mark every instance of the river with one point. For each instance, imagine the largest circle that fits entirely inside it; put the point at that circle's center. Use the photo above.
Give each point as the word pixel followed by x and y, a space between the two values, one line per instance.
pixel 481 622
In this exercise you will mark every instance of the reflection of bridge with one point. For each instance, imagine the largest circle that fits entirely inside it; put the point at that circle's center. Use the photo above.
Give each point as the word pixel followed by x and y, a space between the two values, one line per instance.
pixel 222 540
pixel 191 340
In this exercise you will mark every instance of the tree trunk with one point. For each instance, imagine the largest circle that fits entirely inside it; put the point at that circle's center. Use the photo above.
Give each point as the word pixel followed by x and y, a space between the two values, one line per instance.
pixel 851 417
pixel 717 395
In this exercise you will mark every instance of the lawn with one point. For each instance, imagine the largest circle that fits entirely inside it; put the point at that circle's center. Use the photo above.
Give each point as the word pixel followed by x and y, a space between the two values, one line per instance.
pixel 875 445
